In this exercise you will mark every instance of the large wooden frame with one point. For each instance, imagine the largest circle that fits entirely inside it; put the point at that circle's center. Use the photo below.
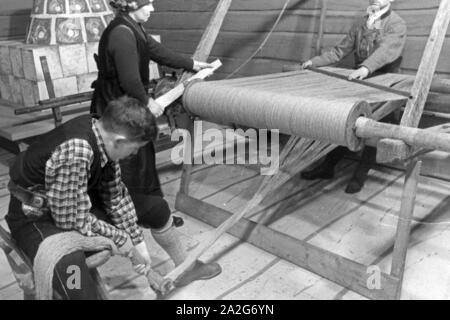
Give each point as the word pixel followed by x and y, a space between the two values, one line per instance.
pixel 334 267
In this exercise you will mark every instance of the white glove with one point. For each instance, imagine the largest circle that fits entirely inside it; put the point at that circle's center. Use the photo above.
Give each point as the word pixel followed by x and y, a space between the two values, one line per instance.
pixel 198 65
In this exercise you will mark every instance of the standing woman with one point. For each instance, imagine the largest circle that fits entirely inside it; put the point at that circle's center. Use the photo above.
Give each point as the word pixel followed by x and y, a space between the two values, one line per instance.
pixel 123 59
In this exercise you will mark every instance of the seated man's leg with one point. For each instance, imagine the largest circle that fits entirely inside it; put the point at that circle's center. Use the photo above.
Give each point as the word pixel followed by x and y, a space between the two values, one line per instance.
pixel 368 159
pixel 360 174
pixel 325 170
pixel 30 235
pixel 153 212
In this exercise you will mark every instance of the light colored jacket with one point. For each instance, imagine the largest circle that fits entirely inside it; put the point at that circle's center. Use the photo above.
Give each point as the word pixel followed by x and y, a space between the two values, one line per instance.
pixel 373 49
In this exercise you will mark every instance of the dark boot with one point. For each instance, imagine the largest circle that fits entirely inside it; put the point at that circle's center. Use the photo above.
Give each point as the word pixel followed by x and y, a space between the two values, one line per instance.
pixel 356 183
pixel 326 169
pixel 322 171
pixel 360 175
pixel 199 271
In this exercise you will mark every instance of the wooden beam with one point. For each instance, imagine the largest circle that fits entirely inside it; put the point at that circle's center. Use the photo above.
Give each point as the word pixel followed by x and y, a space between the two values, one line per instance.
pixel 51 90
pixel 422 138
pixel 362 82
pixel 390 150
pixel 212 30
pixel 387 108
pixel 209 36
pixel 32 129
pixel 338 269
pixel 202 53
pixel 404 222
pixel 366 83
pixel 56 102
pixel 323 16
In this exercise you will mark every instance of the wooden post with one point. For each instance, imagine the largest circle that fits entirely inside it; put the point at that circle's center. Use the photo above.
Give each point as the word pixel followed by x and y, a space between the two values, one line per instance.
pixel 390 150
pixel 212 30
pixel 187 167
pixel 404 222
pixel 202 53
pixel 323 16
pixel 51 90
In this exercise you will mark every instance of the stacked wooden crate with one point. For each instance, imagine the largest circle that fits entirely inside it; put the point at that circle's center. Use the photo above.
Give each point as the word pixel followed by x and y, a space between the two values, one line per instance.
pixel 72 70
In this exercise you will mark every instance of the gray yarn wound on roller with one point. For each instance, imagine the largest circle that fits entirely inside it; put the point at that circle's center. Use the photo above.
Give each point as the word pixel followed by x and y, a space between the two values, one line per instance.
pixel 301 103
pixel 53 248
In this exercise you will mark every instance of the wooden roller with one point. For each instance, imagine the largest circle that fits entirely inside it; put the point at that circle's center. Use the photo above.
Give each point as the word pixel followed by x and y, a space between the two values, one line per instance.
pixel 302 104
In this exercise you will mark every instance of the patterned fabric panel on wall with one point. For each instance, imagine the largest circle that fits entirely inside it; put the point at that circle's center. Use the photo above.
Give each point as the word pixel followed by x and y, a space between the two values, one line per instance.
pixel 68 21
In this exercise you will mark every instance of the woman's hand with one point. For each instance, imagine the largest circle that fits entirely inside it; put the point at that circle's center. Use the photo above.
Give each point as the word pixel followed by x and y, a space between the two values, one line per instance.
pixel 199 65
pixel 155 108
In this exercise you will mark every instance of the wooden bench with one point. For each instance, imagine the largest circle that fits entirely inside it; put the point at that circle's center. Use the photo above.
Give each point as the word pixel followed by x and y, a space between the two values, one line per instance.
pixel 15 134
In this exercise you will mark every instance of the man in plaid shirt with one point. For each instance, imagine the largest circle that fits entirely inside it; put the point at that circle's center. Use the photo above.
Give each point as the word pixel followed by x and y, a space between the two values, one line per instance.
pixel 77 167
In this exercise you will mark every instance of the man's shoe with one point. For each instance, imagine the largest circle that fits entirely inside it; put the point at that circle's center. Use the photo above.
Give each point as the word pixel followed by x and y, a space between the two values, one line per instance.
pixel 354 186
pixel 357 181
pixel 200 271
pixel 320 172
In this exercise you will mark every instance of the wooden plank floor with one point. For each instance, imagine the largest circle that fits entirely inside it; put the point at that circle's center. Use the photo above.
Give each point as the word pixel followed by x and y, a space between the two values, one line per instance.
pixel 360 227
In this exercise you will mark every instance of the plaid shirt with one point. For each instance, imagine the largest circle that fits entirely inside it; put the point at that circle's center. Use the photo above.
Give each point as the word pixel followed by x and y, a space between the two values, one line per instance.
pixel 66 180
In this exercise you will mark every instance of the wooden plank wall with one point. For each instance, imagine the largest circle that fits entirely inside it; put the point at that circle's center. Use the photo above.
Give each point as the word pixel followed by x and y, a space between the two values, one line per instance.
pixel 14 18
pixel 181 23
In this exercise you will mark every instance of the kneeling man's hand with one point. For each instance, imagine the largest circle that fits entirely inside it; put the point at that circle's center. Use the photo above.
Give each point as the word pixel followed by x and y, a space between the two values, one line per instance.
pixel 141 258
pixel 359 74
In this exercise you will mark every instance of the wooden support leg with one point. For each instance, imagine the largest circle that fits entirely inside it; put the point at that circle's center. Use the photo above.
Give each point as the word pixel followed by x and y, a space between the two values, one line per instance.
pixel 187 167
pixel 404 222
pixel 323 16
pixel 202 53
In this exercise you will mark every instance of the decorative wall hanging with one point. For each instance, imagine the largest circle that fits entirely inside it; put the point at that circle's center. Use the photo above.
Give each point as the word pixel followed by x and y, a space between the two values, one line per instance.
pixel 68 21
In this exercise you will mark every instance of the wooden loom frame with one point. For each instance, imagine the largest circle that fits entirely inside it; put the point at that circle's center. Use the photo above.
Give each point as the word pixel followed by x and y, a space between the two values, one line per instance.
pixel 341 270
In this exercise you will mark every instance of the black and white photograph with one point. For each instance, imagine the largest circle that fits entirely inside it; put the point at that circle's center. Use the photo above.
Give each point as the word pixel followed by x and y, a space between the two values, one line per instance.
pixel 230 157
